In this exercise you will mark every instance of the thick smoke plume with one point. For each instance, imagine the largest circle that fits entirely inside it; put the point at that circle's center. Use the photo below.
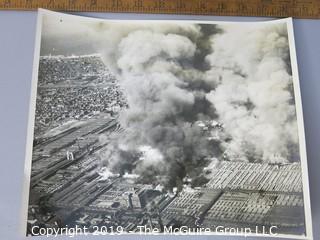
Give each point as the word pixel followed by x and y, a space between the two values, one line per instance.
pixel 254 95
pixel 177 75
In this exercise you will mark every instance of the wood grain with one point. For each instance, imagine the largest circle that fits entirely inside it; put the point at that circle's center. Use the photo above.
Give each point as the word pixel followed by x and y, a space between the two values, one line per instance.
pixel 269 8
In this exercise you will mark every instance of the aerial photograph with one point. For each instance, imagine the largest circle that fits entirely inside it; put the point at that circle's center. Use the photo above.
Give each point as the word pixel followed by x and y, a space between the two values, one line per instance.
pixel 165 125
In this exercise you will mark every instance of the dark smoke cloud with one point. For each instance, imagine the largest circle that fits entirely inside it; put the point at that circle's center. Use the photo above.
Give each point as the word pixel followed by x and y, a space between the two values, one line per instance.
pixel 175 75
pixel 161 71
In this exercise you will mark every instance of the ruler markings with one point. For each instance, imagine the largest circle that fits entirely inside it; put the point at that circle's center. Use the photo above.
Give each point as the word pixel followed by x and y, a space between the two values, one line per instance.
pixel 272 8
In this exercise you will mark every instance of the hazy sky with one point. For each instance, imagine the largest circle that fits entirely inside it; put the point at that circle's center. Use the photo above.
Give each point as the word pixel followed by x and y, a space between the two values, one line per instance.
pixel 65 36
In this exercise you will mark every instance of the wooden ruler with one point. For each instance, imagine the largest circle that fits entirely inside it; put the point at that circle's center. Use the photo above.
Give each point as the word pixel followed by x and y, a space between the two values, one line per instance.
pixel 269 8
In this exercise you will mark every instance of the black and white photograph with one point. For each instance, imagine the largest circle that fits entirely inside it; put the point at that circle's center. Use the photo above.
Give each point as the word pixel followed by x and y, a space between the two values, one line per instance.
pixel 166 127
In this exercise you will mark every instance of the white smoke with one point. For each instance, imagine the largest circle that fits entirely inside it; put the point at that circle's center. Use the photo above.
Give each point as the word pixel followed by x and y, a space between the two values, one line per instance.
pixel 254 98
pixel 117 32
